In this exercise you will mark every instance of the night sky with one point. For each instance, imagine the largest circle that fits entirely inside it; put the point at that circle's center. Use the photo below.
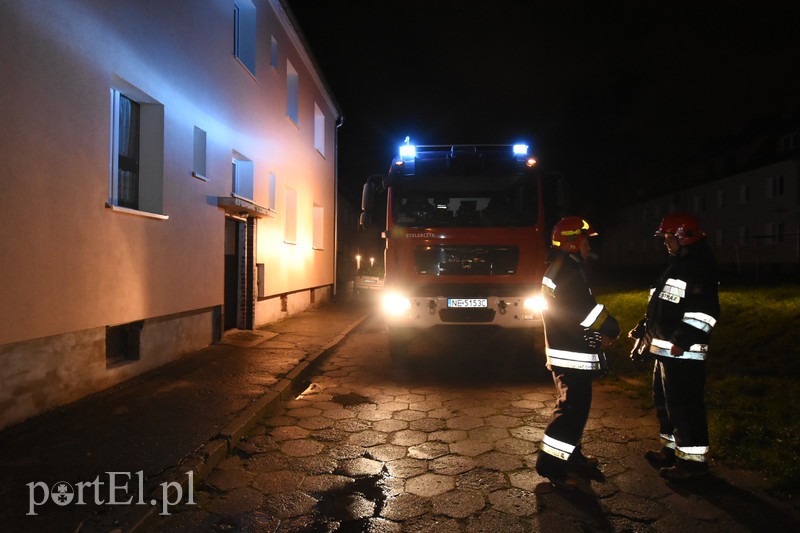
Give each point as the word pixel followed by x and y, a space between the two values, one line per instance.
pixel 603 95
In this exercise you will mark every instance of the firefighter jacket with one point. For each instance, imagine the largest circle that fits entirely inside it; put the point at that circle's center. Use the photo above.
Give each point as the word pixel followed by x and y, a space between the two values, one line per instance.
pixel 684 305
pixel 573 317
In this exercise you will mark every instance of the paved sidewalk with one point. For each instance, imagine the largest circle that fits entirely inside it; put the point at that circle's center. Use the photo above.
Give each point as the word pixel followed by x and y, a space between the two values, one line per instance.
pixel 184 416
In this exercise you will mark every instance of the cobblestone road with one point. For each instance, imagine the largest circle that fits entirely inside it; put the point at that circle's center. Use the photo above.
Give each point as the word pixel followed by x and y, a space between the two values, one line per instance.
pixel 446 443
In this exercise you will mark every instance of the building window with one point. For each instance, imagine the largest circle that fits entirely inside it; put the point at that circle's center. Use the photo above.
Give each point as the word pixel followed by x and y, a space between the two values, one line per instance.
pixel 137 151
pixel 123 343
pixel 292 92
pixel 242 173
pixel 273 53
pixel 318 240
pixel 699 204
pixel 319 130
pixel 290 217
pixel 199 154
pixel 244 34
pixel 743 235
pixel 775 187
pixel 272 191
pixel 744 193
pixel 720 199
pixel 775 232
pixel 787 143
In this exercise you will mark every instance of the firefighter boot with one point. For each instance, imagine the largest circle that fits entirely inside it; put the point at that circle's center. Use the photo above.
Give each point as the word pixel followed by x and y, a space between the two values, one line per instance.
pixel 664 457
pixel 578 459
pixel 585 466
pixel 555 470
pixel 684 471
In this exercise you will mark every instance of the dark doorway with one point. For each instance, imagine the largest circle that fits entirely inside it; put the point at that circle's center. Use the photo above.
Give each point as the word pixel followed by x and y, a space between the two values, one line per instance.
pixel 233 257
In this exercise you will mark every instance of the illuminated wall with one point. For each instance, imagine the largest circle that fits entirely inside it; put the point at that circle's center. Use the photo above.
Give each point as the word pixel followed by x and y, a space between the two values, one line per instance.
pixel 69 263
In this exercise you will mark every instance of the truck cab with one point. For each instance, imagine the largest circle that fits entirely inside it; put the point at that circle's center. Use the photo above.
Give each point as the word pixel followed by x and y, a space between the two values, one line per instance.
pixel 465 240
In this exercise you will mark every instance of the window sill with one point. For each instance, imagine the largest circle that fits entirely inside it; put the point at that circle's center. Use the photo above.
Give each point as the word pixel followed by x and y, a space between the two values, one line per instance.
pixel 136 212
pixel 199 176
pixel 245 67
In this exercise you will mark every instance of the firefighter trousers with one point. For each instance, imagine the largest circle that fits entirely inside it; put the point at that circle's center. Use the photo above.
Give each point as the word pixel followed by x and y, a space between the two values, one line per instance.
pixel 565 428
pixel 678 397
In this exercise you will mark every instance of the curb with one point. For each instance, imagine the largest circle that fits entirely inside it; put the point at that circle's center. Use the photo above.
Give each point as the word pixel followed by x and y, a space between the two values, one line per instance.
pixel 207 457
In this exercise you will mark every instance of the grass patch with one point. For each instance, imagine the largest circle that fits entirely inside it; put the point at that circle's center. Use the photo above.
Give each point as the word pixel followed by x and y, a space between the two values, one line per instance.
pixel 753 371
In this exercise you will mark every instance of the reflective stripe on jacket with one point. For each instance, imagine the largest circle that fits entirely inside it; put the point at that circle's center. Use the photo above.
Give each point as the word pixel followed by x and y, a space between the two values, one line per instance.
pixel 571 315
pixel 684 306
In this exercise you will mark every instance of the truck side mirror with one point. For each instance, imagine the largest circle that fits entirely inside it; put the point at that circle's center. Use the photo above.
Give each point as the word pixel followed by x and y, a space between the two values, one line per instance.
pixel 368 197
pixel 363 220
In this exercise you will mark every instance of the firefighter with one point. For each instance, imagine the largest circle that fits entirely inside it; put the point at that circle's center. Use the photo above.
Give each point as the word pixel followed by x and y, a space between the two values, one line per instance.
pixel 577 329
pixel 682 311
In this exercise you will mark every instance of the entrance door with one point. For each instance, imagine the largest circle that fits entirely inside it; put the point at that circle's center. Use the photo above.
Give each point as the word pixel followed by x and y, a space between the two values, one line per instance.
pixel 233 258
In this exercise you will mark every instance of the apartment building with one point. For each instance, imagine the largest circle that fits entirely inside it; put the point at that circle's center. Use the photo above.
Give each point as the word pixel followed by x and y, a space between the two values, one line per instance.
pixel 167 173
pixel 746 197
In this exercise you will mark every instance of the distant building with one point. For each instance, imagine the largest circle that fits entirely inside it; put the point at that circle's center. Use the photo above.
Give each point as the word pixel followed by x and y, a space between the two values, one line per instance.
pixel 167 172
pixel 746 196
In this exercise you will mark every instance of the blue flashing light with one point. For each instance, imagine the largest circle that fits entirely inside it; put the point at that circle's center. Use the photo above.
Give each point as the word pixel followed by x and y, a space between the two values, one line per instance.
pixel 408 151
pixel 520 149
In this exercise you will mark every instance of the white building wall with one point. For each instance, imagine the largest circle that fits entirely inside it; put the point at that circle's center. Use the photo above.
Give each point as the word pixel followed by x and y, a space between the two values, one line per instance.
pixel 68 264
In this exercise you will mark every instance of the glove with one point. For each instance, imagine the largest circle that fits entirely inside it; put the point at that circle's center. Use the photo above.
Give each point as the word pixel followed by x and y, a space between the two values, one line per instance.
pixel 594 340
pixel 638 331
pixel 676 350
pixel 640 348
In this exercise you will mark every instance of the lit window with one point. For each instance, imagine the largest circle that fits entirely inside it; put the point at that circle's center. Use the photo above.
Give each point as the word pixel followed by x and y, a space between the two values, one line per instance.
pixel 137 151
pixel 319 226
pixel 244 34
pixel 199 155
pixel 242 173
pixel 292 92
pixel 290 217
pixel 319 130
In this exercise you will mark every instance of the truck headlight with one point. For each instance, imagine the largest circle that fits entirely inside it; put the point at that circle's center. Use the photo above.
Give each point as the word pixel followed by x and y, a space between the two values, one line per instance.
pixel 535 303
pixel 395 305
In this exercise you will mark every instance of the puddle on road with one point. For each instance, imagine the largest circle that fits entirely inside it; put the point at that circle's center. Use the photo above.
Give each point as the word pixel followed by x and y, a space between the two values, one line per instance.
pixel 350 399
pixel 349 509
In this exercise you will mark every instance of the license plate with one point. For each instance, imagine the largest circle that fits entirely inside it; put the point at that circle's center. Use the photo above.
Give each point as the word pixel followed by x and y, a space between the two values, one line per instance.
pixel 467 302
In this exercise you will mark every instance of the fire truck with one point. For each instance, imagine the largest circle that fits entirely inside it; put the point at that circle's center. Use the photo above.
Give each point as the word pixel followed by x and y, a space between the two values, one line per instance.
pixel 465 239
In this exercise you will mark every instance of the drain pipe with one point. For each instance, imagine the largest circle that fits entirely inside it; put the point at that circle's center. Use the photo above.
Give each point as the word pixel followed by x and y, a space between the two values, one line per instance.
pixel 339 122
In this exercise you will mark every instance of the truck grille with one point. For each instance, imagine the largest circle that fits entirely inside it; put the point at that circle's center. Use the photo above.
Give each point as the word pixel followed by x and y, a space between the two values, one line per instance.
pixel 466 260
pixel 466 316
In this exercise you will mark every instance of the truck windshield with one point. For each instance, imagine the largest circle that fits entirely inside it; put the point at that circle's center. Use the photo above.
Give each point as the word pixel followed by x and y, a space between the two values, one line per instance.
pixel 508 201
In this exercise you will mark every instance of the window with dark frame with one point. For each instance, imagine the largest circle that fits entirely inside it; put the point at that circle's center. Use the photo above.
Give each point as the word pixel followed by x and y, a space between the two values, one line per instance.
pixel 128 153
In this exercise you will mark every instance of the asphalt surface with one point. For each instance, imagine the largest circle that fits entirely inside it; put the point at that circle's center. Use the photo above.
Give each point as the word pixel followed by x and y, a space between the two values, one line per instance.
pixel 204 413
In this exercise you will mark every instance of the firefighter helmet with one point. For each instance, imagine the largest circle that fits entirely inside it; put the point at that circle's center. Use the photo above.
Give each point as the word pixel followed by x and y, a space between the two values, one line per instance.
pixel 569 232
pixel 683 225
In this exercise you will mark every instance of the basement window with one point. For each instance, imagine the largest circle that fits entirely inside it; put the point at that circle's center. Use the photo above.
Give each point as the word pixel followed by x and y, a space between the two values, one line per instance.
pixel 123 343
